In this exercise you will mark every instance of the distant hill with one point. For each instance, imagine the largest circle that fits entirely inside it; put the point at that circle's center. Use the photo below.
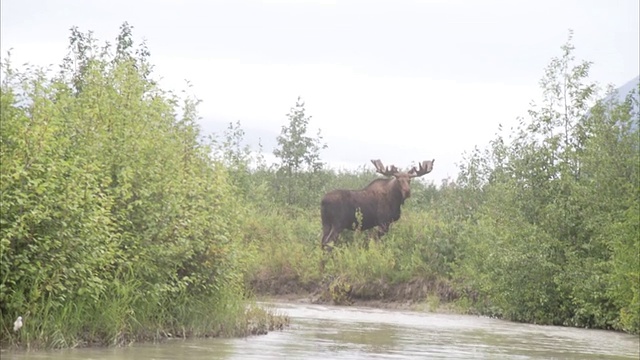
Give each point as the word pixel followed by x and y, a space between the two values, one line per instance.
pixel 625 90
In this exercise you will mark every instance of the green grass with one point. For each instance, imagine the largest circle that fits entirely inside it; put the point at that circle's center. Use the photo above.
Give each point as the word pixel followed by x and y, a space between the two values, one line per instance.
pixel 406 264
pixel 126 316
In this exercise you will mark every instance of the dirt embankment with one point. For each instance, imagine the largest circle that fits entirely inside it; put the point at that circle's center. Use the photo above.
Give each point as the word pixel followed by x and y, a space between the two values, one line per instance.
pixel 417 294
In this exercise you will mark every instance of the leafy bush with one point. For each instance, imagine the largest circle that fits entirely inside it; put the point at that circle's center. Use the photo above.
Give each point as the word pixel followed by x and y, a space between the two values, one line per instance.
pixel 555 236
pixel 116 223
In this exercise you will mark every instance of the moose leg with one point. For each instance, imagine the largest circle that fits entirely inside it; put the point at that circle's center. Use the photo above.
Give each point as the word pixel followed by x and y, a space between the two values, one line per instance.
pixel 381 231
pixel 329 234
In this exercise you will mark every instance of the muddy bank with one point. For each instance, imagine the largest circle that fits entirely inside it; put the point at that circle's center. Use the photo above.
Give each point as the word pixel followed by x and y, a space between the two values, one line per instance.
pixel 417 294
pixel 410 305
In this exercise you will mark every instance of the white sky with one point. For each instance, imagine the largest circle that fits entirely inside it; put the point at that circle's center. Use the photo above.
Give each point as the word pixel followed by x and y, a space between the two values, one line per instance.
pixel 397 80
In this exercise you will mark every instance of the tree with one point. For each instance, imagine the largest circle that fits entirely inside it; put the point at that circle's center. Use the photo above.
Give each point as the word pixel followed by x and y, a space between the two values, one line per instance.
pixel 558 213
pixel 298 179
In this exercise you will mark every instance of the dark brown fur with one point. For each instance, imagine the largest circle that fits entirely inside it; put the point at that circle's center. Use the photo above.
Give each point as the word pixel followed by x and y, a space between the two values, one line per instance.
pixel 380 203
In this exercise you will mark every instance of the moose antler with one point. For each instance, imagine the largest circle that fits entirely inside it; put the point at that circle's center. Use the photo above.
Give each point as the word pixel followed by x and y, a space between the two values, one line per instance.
pixel 425 167
pixel 386 171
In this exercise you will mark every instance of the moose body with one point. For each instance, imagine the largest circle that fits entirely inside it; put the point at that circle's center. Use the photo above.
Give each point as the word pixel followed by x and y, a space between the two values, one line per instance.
pixel 379 203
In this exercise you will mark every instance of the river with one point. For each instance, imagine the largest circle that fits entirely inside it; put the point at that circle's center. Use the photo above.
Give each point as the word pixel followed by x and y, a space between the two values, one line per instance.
pixel 332 332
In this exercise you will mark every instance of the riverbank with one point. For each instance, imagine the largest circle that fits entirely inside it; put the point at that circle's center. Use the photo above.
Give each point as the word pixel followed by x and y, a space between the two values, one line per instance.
pixel 348 332
pixel 256 320
pixel 415 295
pixel 426 305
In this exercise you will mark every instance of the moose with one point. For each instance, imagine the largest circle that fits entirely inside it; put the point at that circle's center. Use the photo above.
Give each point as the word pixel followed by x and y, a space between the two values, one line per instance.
pixel 379 202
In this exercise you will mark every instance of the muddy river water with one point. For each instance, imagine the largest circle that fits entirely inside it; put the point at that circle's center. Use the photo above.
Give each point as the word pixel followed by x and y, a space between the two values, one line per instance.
pixel 331 332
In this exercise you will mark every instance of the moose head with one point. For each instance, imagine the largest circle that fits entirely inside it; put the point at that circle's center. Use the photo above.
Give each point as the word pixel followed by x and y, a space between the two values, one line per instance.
pixel 404 178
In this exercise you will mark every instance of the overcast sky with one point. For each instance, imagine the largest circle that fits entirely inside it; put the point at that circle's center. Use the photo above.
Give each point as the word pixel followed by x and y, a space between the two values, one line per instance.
pixel 397 80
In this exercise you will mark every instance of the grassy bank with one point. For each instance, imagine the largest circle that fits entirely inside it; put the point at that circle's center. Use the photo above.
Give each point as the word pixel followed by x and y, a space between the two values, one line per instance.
pixel 73 326
pixel 411 263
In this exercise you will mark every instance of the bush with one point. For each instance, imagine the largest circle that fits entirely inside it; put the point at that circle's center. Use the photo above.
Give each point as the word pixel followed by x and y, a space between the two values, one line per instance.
pixel 116 223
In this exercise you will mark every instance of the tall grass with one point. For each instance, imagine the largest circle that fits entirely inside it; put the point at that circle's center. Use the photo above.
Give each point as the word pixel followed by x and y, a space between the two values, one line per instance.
pixel 124 315
pixel 416 255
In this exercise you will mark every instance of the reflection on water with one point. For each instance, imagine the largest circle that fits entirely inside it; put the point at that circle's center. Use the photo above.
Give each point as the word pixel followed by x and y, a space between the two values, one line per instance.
pixel 328 332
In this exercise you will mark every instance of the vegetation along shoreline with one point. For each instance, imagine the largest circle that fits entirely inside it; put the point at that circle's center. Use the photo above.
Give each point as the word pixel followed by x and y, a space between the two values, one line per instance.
pixel 121 222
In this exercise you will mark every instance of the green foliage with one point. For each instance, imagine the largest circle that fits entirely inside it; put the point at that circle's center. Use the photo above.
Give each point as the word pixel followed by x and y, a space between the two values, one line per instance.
pixel 541 226
pixel 299 178
pixel 116 224
pixel 119 222
pixel 340 291
pixel 237 158
pixel 286 251
pixel 555 209
pixel 408 261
